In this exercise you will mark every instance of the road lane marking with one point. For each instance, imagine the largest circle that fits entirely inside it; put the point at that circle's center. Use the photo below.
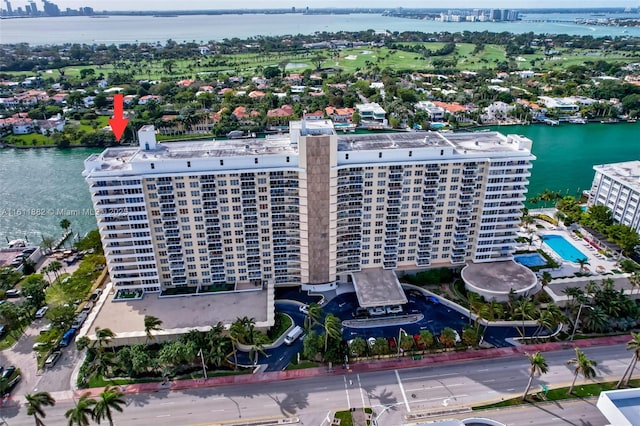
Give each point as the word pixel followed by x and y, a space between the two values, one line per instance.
pixel 361 393
pixel 346 390
pixel 404 395
pixel 424 388
pixel 164 415
pixel 430 377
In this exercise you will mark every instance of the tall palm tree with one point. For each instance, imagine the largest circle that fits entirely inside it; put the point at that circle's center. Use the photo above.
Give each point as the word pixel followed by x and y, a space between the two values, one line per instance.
pixel 314 314
pixel 55 267
pixel 537 365
pixel 583 365
pixel 632 345
pixel 151 323
pixel 110 399
pixel 65 224
pixel 103 337
pixel 83 410
pixel 35 404
pixel 331 327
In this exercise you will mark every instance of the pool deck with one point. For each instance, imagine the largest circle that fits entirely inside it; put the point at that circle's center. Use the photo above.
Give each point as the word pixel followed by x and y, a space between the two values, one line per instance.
pixel 598 268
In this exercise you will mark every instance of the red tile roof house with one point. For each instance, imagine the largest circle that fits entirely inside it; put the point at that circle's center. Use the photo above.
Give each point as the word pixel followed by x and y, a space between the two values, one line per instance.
pixel 316 115
pixel 339 115
pixel 280 115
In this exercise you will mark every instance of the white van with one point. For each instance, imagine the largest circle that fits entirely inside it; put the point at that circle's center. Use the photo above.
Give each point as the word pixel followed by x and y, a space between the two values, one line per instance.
pixel 293 335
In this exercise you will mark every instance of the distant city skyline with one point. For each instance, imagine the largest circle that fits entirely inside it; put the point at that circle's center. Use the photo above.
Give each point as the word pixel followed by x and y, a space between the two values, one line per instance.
pixel 99 5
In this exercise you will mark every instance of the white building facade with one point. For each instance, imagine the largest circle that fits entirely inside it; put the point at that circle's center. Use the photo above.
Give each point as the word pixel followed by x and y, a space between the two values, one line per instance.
pixel 306 208
pixel 617 186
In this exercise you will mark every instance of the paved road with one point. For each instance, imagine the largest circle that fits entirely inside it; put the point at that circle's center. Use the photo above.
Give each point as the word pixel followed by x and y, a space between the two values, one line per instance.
pixel 393 394
pixel 22 356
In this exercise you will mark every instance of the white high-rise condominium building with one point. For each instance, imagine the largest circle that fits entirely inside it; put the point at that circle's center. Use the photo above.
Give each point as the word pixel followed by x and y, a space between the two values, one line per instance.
pixel 617 186
pixel 310 207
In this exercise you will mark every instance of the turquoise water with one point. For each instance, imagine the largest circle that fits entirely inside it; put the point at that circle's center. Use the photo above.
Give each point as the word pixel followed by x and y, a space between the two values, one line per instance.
pixel 567 153
pixel 40 187
pixel 563 248
pixel 530 260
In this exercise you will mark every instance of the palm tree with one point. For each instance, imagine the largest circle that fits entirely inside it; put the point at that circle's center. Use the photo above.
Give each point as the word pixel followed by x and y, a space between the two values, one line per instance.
pixel 151 323
pixel 448 337
pixel 47 243
pixel 65 224
pixel 103 337
pixel 244 330
pixel 632 345
pixel 583 365
pixel 634 280
pixel 331 329
pixel 55 267
pixel 79 415
pixel 314 314
pixel 537 365
pixel 582 262
pixel 35 404
pixel 110 399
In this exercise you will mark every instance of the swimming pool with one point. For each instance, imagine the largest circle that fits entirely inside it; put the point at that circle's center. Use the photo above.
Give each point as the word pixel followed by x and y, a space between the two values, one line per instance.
pixel 530 260
pixel 563 248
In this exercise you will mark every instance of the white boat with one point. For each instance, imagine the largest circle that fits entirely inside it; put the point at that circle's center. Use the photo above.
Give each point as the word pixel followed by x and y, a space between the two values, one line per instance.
pixel 577 120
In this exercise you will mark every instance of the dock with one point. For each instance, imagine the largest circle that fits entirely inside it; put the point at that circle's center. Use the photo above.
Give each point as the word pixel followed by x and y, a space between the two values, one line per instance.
pixel 62 239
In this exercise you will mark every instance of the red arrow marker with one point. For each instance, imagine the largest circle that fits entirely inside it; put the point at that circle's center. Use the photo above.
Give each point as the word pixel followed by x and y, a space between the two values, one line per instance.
pixel 118 123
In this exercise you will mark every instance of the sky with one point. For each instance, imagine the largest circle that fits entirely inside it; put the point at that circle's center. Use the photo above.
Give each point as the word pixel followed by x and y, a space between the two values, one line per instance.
pixel 300 4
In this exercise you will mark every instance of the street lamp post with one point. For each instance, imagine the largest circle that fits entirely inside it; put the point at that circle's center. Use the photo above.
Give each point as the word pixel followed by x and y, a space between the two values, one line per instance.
pixel 204 367
pixel 575 326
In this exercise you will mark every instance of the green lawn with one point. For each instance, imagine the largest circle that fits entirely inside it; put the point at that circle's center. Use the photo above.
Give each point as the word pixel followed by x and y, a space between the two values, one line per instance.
pixel 579 391
pixel 34 139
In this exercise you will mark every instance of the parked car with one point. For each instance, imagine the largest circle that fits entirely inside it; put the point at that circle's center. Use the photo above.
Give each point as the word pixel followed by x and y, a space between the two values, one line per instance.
pixel 87 307
pixel 304 309
pixel 66 338
pixel 77 323
pixel 52 359
pixel 6 374
pixel 394 309
pixel 377 311
pixel 12 293
pixel 95 295
pixel 360 313
pixel 41 312
pixel 38 345
pixel 46 328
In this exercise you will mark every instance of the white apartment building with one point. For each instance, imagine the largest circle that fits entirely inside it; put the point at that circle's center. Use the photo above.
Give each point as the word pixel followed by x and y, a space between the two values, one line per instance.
pixel 617 186
pixel 311 207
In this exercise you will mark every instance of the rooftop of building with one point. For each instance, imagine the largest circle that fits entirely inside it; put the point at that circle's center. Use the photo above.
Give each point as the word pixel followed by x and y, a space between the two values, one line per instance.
pixel 627 172
pixel 378 287
pixel 181 314
pixel 498 278
pixel 464 142
pixel 120 158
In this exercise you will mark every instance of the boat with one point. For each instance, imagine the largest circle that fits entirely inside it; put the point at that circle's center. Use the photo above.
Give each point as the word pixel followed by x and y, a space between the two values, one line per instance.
pixel 578 120
pixel 610 121
pixel 631 120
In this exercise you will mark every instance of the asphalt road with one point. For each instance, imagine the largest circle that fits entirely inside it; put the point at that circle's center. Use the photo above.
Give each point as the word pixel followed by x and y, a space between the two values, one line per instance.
pixel 392 394
pixel 22 356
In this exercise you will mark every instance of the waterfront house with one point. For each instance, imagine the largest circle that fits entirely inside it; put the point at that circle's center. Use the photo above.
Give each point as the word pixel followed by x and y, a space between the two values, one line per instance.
pixel 371 111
